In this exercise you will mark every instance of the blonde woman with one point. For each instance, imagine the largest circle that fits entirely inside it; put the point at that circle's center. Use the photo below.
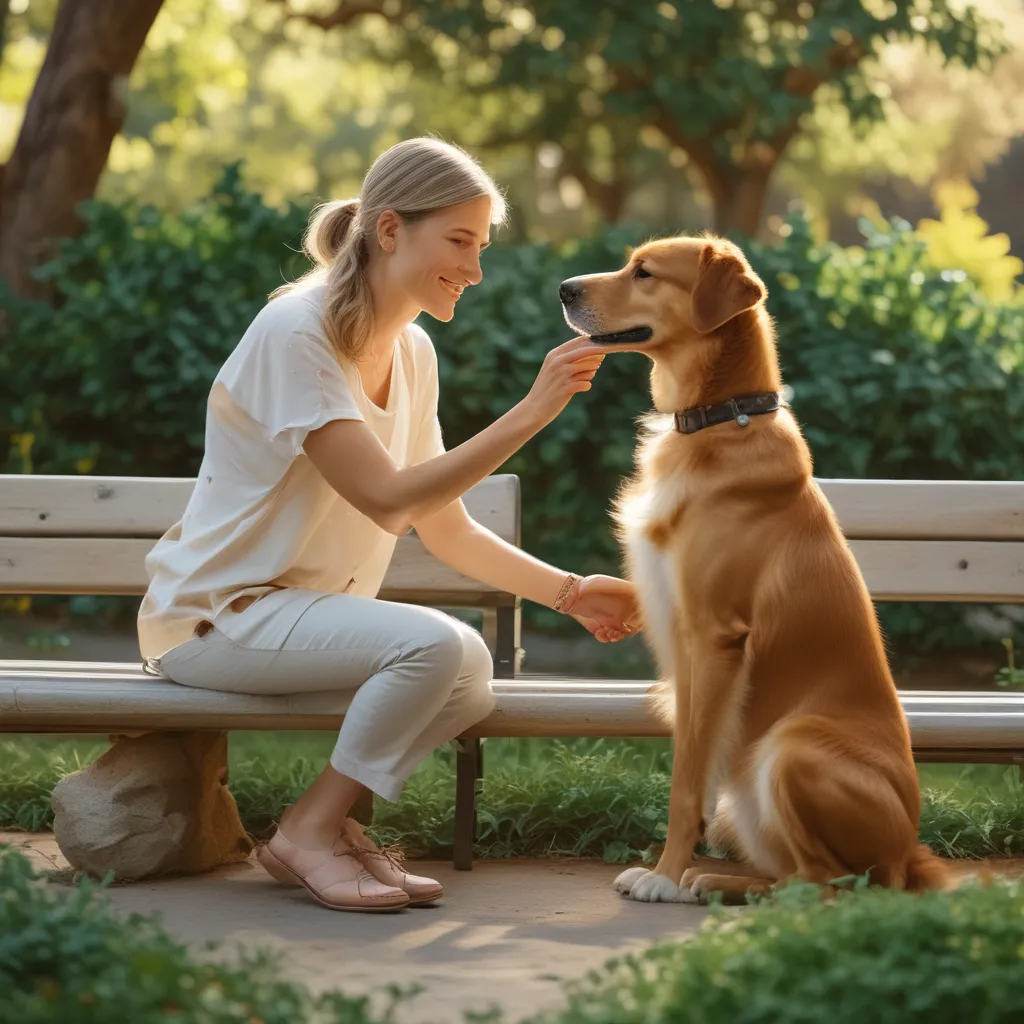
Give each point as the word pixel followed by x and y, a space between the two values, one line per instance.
pixel 323 447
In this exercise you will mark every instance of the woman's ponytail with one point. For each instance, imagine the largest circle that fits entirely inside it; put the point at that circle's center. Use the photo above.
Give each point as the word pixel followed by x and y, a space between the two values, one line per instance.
pixel 329 230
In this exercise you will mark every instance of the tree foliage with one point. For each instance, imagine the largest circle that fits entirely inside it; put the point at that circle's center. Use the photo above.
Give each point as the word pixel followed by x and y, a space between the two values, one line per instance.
pixel 727 83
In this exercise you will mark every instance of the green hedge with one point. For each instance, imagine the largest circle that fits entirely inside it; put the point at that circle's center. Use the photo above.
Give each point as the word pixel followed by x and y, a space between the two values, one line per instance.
pixel 874 956
pixel 897 370
pixel 66 959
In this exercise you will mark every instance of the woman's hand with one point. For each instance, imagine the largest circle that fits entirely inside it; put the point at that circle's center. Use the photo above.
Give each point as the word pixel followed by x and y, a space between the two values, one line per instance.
pixel 607 607
pixel 566 371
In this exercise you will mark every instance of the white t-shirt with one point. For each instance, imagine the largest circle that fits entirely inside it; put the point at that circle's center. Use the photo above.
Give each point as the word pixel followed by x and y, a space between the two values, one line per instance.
pixel 261 517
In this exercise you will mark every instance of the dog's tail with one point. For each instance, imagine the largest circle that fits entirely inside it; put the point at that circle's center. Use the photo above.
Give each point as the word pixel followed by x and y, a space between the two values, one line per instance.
pixel 662 698
pixel 927 872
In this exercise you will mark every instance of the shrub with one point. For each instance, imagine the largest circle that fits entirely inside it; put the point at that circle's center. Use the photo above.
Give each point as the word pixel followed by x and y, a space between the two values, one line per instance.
pixel 115 380
pixel 879 956
pixel 65 957
pixel 897 369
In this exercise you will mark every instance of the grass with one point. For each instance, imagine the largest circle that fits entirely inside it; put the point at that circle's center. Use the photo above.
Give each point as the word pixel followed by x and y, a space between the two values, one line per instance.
pixel 594 798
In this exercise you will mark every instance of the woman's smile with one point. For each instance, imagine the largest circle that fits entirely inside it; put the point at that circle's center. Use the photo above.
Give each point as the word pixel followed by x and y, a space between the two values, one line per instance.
pixel 452 287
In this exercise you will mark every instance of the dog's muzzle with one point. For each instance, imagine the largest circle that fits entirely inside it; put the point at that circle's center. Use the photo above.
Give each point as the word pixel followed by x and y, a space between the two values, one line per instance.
pixel 579 317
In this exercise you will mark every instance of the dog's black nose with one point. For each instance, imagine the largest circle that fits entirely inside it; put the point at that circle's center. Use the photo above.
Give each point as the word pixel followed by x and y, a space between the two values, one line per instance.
pixel 569 292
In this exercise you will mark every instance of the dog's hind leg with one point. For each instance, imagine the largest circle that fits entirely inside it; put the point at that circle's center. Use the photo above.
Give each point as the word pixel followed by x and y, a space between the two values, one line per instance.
pixel 734 888
pixel 715 866
pixel 838 814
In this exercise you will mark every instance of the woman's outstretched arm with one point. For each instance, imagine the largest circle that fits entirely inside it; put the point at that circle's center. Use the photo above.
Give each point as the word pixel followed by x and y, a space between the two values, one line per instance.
pixel 606 606
pixel 353 461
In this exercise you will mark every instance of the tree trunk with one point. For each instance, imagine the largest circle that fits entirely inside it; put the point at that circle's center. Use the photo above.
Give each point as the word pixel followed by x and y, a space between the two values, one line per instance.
pixel 5 8
pixel 608 196
pixel 76 108
pixel 739 199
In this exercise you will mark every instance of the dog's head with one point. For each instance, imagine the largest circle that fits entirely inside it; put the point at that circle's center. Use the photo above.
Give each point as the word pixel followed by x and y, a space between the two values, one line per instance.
pixel 672 291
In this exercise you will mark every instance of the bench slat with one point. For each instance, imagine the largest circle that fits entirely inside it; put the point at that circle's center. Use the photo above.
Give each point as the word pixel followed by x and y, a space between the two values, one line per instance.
pixel 934 570
pixel 928 509
pixel 50 696
pixel 894 570
pixel 148 506
pixel 74 506
pixel 116 565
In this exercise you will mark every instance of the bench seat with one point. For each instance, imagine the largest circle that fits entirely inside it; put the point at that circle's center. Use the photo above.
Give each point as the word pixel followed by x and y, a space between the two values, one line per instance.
pixel 60 696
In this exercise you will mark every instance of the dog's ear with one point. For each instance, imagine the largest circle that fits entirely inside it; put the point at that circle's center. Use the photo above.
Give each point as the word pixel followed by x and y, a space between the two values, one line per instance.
pixel 725 287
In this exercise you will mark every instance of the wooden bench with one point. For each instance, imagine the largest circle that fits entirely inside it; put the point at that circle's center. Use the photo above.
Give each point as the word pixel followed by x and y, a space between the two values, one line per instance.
pixel 914 541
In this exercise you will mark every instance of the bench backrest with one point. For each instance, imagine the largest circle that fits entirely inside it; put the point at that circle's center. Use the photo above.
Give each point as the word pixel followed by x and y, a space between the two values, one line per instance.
pixel 914 540
pixel 90 535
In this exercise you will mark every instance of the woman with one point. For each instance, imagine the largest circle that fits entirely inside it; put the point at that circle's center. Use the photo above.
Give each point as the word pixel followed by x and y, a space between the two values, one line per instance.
pixel 323 447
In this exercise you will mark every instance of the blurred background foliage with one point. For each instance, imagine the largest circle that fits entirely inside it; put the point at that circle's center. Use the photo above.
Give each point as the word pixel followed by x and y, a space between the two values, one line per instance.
pixel 868 153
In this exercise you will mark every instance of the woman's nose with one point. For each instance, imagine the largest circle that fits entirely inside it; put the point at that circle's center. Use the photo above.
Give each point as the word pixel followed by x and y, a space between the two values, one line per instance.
pixel 472 270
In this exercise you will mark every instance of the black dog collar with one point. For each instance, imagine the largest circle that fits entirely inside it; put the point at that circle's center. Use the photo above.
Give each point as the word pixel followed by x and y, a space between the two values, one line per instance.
pixel 739 409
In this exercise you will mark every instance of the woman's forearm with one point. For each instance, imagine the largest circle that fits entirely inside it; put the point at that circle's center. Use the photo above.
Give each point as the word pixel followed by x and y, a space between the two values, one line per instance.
pixel 351 458
pixel 484 556
pixel 421 490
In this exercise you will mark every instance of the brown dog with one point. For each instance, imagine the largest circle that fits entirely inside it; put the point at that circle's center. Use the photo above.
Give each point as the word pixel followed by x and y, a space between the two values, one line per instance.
pixel 789 735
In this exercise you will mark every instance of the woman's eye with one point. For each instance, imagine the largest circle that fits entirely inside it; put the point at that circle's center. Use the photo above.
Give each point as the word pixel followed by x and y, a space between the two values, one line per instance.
pixel 640 272
pixel 458 241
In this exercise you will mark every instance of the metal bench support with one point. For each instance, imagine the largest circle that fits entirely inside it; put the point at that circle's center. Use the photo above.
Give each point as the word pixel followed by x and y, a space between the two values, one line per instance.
pixel 469 758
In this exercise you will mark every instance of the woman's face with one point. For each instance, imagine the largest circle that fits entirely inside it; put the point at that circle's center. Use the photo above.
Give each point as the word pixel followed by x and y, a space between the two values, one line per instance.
pixel 434 259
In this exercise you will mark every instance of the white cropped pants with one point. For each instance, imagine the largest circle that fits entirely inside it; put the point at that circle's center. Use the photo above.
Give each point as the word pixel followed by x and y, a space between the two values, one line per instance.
pixel 418 677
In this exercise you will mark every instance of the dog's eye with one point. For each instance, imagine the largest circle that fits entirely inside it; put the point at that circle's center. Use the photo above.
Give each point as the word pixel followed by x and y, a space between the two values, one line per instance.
pixel 640 272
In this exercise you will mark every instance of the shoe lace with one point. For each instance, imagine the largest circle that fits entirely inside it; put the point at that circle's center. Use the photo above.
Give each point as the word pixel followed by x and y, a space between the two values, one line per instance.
pixel 391 853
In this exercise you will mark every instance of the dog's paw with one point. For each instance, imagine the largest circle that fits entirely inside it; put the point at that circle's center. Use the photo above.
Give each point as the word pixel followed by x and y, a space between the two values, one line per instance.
pixel 652 888
pixel 690 875
pixel 697 887
pixel 628 878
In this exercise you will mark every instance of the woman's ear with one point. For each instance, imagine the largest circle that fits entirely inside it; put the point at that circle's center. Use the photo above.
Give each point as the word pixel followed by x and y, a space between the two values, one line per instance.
pixel 726 287
pixel 388 224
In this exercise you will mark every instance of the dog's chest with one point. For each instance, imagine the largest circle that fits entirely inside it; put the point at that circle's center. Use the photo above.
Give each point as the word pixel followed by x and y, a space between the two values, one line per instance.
pixel 645 519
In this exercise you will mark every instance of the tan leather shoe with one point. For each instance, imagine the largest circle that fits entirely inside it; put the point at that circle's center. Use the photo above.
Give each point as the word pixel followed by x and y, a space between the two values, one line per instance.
pixel 336 878
pixel 386 865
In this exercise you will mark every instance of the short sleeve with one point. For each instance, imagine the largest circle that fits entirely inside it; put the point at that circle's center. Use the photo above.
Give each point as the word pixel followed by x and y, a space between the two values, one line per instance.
pixel 285 376
pixel 427 442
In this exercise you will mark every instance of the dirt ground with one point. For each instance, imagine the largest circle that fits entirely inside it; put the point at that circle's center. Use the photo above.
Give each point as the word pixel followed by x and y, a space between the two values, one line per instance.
pixel 506 933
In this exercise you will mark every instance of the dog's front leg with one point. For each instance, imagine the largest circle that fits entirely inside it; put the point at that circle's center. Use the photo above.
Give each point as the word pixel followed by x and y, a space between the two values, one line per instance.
pixel 716 671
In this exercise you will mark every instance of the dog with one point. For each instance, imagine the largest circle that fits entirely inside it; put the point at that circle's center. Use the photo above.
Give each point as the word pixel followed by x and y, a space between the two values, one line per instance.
pixel 790 747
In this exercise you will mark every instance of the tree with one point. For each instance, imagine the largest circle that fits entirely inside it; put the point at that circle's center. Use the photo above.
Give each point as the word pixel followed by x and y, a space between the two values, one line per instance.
pixel 726 82
pixel 940 124
pixel 76 108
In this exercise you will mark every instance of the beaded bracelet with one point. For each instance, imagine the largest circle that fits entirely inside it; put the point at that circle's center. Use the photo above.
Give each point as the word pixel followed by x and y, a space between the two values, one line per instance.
pixel 571 586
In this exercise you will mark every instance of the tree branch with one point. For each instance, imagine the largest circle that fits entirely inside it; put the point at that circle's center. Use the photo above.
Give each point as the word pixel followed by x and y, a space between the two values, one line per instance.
pixel 803 81
pixel 347 11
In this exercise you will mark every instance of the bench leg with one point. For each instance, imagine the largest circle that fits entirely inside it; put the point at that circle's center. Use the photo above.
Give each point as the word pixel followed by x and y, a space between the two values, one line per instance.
pixel 469 770
pixel 501 629
pixel 362 809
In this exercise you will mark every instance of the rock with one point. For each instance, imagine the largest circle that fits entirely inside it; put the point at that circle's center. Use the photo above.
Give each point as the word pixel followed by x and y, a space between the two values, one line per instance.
pixel 151 805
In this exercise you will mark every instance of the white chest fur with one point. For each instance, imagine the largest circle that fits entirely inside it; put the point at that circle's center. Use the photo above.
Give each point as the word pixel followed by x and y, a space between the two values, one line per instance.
pixel 653 569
